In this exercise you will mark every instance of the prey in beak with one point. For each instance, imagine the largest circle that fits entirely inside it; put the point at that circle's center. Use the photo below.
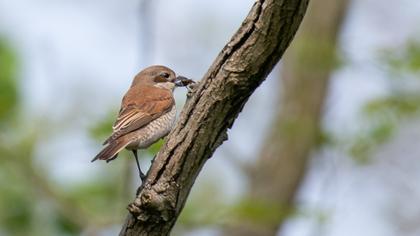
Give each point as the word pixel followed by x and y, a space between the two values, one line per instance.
pixel 190 84
pixel 182 81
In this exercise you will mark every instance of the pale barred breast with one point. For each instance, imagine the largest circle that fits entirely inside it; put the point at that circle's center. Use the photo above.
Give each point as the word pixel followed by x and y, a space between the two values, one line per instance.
pixel 154 131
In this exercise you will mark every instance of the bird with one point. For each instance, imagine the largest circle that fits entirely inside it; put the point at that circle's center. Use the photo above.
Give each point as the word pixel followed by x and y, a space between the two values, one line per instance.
pixel 147 113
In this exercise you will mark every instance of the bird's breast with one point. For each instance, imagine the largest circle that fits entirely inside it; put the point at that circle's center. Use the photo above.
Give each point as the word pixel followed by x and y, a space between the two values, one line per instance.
pixel 153 131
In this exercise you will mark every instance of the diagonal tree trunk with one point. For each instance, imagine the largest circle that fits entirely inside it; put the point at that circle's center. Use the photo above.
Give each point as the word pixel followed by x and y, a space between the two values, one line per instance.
pixel 237 71
pixel 281 166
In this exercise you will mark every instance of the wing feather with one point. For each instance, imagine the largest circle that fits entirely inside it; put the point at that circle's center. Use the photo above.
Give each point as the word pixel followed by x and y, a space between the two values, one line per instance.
pixel 140 106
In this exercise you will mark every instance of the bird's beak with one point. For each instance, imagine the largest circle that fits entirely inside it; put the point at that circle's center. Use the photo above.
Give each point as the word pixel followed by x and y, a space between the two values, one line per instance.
pixel 182 81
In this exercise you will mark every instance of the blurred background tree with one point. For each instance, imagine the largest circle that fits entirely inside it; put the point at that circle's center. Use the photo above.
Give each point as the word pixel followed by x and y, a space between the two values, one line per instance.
pixel 296 131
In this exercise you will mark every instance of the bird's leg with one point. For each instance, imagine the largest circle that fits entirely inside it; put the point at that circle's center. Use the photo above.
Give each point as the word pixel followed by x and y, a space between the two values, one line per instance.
pixel 142 176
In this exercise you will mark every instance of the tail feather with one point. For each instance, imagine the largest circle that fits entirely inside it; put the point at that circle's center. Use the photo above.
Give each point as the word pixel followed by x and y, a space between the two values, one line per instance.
pixel 111 151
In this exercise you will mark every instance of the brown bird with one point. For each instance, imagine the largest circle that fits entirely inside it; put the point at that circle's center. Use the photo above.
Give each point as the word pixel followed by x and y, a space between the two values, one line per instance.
pixel 147 113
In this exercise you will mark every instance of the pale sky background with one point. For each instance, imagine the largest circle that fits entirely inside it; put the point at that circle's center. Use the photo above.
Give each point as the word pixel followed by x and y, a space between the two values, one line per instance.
pixel 92 49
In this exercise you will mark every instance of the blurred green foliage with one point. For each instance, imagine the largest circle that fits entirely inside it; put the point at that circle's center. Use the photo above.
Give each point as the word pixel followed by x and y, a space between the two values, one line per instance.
pixel 260 212
pixel 8 83
pixel 31 201
pixel 385 114
pixel 103 128
pixel 405 60
pixel 215 212
pixel 194 214
pixel 401 105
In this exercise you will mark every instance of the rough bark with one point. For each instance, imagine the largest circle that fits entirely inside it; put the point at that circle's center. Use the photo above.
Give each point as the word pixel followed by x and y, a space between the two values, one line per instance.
pixel 279 171
pixel 237 71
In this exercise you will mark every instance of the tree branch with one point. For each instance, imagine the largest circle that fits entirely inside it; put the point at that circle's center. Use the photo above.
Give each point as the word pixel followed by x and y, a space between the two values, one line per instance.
pixel 237 71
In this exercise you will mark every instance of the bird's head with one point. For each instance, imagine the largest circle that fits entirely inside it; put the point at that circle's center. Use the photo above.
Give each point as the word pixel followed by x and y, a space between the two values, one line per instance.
pixel 159 76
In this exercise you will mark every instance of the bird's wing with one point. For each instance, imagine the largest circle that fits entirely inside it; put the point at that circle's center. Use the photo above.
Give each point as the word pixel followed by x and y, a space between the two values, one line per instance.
pixel 140 106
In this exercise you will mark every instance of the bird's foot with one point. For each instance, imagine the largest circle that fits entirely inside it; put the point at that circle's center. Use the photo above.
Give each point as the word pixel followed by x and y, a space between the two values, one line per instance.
pixel 191 88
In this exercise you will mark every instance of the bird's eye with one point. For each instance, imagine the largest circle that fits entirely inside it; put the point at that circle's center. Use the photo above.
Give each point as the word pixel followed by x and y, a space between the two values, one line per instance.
pixel 165 75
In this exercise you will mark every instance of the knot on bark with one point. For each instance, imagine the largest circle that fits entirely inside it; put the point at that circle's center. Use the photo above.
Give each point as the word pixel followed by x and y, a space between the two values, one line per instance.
pixel 153 204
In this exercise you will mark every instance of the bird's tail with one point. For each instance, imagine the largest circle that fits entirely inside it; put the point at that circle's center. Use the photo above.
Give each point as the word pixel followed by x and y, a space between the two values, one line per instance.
pixel 111 151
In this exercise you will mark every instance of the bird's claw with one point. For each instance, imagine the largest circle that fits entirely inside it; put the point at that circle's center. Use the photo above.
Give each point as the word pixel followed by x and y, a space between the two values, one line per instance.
pixel 191 88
